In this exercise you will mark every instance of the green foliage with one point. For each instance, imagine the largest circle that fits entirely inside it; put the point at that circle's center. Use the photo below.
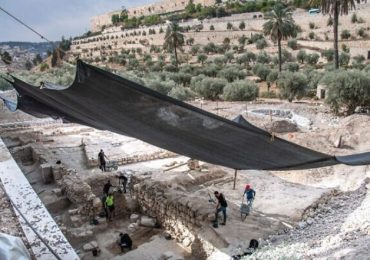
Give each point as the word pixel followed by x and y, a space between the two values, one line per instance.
pixel 263 57
pixel 255 37
pixel 194 49
pixel 354 18
pixel 210 88
pixel 229 26
pixel 347 89
pixel 28 65
pixel 163 87
pixel 202 58
pixel 328 54
pixel 292 85
pixel 311 25
pixel 241 90
pixel 293 44
pixel 210 48
pixel 359 58
pixel 291 66
pixel 242 25
pixel 311 35
pixel 231 73
pixel 229 56
pixel 361 32
pixel 344 58
pixel 181 93
pixel 345 34
pixel 261 44
pixel 312 58
pixel 210 70
pixel 261 71
pixel 44 67
pixel 4 85
pixel 314 78
pixel 272 76
pixel 268 94
pixel 196 81
pixel 301 56
pixel 211 28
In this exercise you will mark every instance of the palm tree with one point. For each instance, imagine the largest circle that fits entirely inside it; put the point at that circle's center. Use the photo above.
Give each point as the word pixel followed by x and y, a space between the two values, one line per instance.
pixel 335 7
pixel 174 39
pixel 280 26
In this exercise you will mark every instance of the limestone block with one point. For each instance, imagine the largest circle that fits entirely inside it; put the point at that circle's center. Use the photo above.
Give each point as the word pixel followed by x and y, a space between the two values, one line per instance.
pixel 133 227
pixel 134 218
pixel 46 172
pixel 57 192
pixel 90 246
pixel 147 221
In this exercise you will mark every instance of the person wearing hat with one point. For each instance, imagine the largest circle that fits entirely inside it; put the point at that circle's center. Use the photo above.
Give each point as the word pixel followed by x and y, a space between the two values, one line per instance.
pixel 250 194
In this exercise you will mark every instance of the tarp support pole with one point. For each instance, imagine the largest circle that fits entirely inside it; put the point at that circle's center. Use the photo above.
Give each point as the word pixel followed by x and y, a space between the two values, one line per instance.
pixel 236 171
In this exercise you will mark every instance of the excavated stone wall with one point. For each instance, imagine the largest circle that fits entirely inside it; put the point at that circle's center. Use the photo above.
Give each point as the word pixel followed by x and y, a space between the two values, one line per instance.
pixel 180 212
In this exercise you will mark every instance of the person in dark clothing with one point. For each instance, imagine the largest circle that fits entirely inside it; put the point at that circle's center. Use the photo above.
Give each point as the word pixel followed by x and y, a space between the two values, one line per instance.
pixel 221 206
pixel 102 162
pixel 122 181
pixel 250 194
pixel 107 187
pixel 125 241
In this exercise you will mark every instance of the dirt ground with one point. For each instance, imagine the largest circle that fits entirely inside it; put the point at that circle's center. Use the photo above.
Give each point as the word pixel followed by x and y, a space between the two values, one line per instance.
pixel 284 202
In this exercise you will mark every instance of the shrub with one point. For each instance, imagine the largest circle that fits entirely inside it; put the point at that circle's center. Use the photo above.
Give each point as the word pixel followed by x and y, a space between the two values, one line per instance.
pixel 261 71
pixel 361 32
pixel 195 81
pixel 211 88
pixel 347 89
pixel 301 56
pixel 268 94
pixel 359 58
pixel 231 73
pixel 345 48
pixel 202 58
pixel 163 87
pixel 229 26
pixel 210 70
pixel 344 58
pixel 261 44
pixel 220 61
pixel 4 85
pixel 345 34
pixel 312 58
pixel 293 44
pixel 243 59
pixel 312 25
pixel 242 25
pixel 292 85
pixel 354 18
pixel 311 35
pixel 272 76
pixel 194 49
pixel 211 28
pixel 251 56
pixel 229 56
pixel 170 67
pixel 181 93
pixel 210 48
pixel 263 57
pixel 44 67
pixel 241 90
pixel 291 66
pixel 255 37
pixel 328 54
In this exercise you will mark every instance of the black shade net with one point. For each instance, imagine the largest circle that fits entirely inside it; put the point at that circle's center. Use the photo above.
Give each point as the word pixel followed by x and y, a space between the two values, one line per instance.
pixel 106 101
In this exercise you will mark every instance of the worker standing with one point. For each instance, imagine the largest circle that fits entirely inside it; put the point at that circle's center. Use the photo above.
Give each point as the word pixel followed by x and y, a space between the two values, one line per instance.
pixel 102 162
pixel 109 204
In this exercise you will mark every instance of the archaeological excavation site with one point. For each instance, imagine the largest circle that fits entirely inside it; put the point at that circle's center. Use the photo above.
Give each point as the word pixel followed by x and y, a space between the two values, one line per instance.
pixel 51 175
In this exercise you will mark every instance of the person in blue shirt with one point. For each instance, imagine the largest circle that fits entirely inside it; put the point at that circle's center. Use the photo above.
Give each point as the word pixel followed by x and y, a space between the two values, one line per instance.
pixel 249 193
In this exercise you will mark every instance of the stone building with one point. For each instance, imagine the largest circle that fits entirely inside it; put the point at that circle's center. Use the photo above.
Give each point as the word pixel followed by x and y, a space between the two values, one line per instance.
pixel 166 6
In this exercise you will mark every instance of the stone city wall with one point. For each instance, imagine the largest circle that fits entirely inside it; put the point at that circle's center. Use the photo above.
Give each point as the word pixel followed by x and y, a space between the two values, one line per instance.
pixel 167 6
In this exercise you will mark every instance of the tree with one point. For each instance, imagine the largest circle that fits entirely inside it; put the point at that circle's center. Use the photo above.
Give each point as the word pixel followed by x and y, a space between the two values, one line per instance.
pixel 229 26
pixel 241 90
pixel 280 26
pixel 115 19
pixel 174 39
pixel 301 56
pixel 328 54
pixel 347 89
pixel 211 28
pixel 6 58
pixel 335 8
pixel 190 7
pixel 242 25
pixel 202 58
pixel 345 34
pixel 292 85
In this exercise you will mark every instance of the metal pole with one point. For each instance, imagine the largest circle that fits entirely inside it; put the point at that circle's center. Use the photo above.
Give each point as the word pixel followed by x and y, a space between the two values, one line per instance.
pixel 236 171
